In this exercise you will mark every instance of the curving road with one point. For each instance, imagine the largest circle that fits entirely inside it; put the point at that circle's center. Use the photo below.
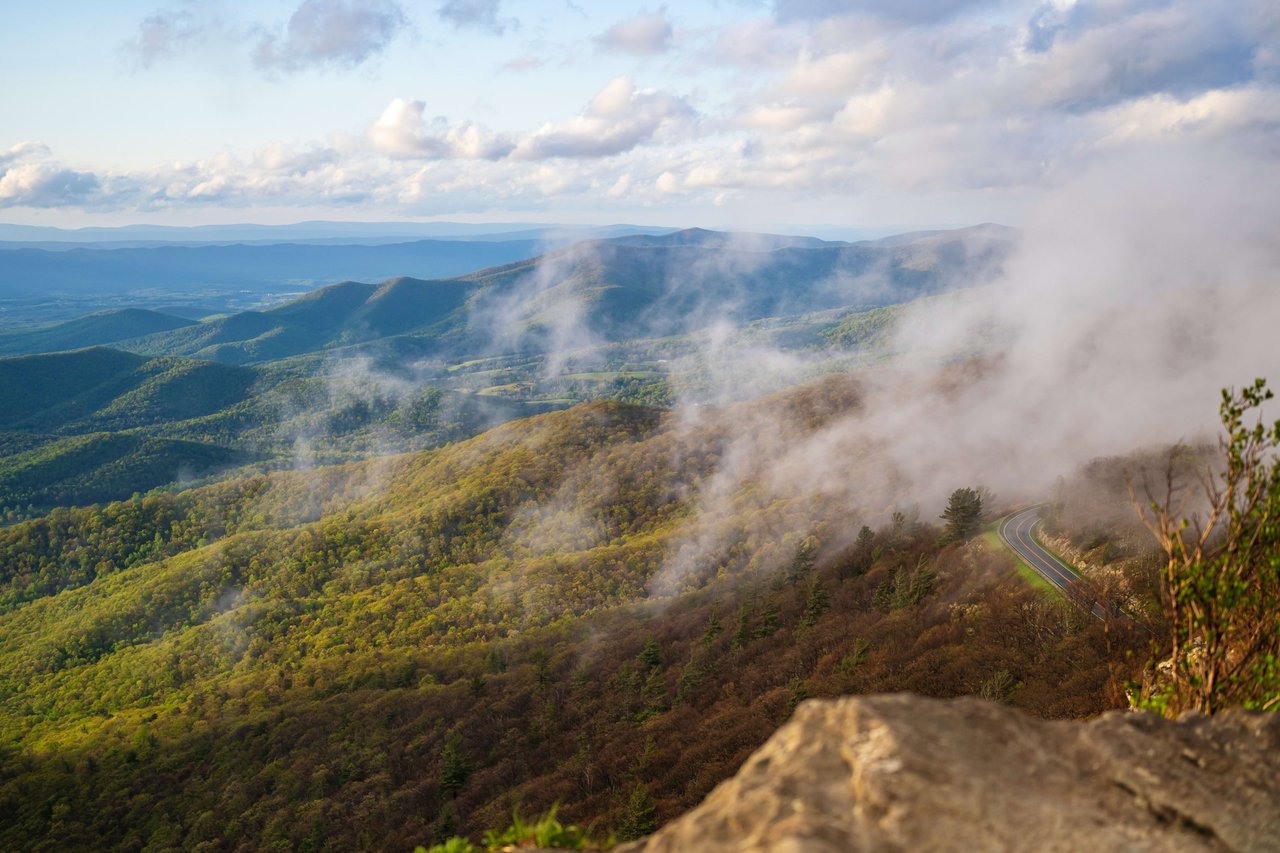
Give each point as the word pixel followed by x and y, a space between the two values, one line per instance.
pixel 1016 532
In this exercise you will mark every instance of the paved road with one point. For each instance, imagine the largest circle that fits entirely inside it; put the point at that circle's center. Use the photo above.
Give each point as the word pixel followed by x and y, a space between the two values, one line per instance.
pixel 1016 533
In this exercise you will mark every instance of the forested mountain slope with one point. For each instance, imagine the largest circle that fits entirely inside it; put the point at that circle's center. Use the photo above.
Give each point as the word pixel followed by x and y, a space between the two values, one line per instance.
pixel 103 327
pixel 100 389
pixel 346 313
pixel 379 654
pixel 99 424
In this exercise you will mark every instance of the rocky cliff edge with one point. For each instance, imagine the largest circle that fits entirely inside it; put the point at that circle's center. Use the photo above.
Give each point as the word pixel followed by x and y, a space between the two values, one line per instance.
pixel 907 773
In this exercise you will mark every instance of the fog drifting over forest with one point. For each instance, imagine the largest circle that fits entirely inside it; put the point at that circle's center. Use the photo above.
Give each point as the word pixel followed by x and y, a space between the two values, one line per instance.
pixel 1138 291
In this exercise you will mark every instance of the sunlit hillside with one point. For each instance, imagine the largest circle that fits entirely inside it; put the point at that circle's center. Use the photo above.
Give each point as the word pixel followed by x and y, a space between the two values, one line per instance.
pixel 256 659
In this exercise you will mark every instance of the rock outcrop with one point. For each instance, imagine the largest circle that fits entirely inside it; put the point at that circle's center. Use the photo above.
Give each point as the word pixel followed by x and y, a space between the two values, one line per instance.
pixel 908 773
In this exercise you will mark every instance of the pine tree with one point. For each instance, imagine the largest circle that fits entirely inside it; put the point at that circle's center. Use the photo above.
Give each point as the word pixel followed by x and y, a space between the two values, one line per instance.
pixel 802 562
pixel 654 693
pixel 650 656
pixel 455 767
pixel 640 818
pixel 742 627
pixel 691 677
pixel 963 515
pixel 818 602
pixel 864 553
pixel 713 629
pixel 770 619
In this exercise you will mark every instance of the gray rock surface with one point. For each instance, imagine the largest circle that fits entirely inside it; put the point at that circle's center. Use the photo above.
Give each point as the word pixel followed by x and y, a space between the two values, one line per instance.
pixel 908 773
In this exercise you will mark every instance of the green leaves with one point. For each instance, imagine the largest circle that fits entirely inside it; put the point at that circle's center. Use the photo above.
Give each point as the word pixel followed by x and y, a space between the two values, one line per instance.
pixel 1222 575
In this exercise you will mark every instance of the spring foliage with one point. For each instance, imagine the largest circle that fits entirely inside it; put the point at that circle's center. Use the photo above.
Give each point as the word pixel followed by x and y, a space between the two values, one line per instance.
pixel 392 653
pixel 1221 578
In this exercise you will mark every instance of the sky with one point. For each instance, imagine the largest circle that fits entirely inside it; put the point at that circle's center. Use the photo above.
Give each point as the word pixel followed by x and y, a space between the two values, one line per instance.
pixel 875 113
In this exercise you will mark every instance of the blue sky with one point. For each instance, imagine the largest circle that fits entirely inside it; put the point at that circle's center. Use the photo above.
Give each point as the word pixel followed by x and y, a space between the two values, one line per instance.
pixel 752 114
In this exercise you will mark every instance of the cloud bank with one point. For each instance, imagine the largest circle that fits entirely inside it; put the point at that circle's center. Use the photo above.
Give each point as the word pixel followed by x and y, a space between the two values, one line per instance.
pixel 890 110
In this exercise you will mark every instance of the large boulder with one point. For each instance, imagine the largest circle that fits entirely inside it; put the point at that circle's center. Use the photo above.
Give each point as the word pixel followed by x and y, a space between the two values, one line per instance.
pixel 908 773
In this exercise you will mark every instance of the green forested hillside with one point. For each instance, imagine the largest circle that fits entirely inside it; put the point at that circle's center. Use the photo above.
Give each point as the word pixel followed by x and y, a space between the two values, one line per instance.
pixel 606 606
pixel 338 315
pixel 338 407
pixel 103 466
pixel 104 327
pixel 383 653
pixel 99 388
pixel 100 424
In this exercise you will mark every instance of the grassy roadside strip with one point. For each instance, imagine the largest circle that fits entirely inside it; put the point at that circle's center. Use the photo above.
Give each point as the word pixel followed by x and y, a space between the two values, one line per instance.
pixel 1027 573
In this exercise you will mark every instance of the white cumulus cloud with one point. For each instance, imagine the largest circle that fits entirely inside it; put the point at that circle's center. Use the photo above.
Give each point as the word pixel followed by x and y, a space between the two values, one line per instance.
pixel 618 119
pixel 401 131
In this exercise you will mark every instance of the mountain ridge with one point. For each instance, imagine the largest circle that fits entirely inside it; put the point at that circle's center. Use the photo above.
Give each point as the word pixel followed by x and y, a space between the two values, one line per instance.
pixel 619 288
pixel 96 329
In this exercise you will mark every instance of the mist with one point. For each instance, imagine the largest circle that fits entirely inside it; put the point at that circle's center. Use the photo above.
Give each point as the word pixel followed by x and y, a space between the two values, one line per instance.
pixel 1138 291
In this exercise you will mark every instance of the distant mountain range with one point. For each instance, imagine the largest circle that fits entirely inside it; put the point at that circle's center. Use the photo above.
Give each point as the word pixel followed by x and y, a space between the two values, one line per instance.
pixel 629 287
pixel 314 231
pixel 672 284
pixel 33 273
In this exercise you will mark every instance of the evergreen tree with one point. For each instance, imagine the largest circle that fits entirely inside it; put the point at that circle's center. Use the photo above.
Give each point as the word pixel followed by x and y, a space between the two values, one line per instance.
pixel 818 602
pixel 650 656
pixel 640 818
pixel 742 627
pixel 691 677
pixel 713 629
pixel 654 693
pixel 770 619
pixel 963 515
pixel 802 562
pixel 863 554
pixel 455 767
